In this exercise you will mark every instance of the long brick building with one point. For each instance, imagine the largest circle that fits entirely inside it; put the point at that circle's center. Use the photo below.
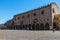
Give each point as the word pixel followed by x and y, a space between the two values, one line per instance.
pixel 37 19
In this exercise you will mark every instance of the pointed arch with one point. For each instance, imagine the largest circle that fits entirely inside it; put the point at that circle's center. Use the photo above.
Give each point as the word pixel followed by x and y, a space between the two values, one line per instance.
pixel 41 26
pixel 47 26
pixel 37 26
pixel 29 26
pixel 33 27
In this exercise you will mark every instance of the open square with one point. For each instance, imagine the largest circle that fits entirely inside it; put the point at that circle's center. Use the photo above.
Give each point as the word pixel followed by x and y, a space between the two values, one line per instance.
pixel 29 35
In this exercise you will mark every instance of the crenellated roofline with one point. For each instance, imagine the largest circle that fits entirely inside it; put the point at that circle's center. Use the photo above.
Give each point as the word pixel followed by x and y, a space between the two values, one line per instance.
pixel 37 8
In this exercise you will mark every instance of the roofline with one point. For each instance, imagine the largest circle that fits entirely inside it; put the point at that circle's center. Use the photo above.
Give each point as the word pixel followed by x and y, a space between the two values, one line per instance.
pixel 37 8
pixel 54 4
pixel 34 9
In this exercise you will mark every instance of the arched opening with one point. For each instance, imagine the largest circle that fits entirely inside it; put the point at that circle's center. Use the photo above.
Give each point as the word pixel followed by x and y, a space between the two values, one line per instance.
pixel 17 27
pixel 33 27
pixel 22 26
pixel 8 27
pixel 55 26
pixel 26 27
pixel 41 26
pixel 37 26
pixel 29 27
pixel 13 27
pixel 47 26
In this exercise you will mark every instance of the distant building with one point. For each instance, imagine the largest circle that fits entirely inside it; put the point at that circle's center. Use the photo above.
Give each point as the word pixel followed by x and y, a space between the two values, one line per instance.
pixel 37 19
pixel 9 24
pixel 2 26
pixel 57 21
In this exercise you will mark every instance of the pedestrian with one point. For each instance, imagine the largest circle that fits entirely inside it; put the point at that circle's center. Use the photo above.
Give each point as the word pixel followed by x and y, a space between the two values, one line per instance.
pixel 53 29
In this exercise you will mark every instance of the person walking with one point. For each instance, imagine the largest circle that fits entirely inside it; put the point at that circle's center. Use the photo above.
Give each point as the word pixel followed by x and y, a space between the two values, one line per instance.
pixel 53 29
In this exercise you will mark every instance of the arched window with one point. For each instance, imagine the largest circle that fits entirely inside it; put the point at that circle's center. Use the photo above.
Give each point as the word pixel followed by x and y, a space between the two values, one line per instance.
pixel 28 15
pixel 53 10
pixel 22 16
pixel 34 14
pixel 42 12
pixel 18 18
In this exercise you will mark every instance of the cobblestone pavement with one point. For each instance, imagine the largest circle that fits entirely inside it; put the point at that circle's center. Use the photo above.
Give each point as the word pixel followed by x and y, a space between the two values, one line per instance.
pixel 29 35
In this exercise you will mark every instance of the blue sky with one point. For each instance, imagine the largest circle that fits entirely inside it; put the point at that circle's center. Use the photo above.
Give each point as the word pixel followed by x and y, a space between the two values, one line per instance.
pixel 9 8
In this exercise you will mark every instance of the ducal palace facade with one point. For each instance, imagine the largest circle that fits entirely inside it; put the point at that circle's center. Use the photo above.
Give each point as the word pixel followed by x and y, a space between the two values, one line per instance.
pixel 38 19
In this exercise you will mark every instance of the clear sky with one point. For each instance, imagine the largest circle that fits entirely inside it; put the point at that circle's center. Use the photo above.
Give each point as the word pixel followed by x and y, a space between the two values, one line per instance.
pixel 9 8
